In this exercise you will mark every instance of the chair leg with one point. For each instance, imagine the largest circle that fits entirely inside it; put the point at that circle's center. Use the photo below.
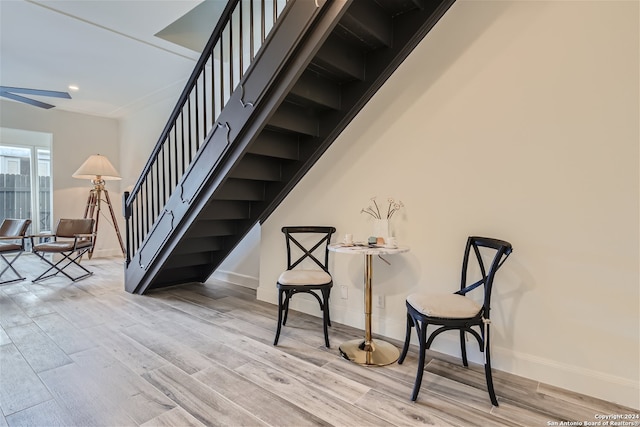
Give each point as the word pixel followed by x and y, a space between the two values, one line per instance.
pixel 284 296
pixel 325 316
pixel 422 338
pixel 285 305
pixel 463 348
pixel 66 258
pixel 280 309
pixel 19 277
pixel 327 303
pixel 407 340
pixel 487 370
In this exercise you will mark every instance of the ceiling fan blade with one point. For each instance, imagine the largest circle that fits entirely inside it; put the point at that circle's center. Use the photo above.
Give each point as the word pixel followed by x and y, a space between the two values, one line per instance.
pixel 39 92
pixel 26 100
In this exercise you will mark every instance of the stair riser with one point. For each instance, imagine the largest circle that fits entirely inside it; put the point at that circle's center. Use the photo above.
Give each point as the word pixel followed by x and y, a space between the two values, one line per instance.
pixel 340 60
pixel 292 118
pixel 195 245
pixel 211 228
pixel 312 89
pixel 190 260
pixel 236 189
pixel 276 144
pixel 368 24
pixel 226 209
pixel 253 167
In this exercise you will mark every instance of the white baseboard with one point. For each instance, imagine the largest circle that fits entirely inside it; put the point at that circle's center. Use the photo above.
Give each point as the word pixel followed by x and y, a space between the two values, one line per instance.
pixel 612 388
pixel 236 279
pixel 107 253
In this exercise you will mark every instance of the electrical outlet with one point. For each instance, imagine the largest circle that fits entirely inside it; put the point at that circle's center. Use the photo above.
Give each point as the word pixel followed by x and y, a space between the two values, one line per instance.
pixel 344 292
pixel 380 301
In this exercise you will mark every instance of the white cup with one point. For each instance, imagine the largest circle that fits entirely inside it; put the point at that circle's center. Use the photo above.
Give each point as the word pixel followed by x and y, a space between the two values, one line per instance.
pixel 391 242
pixel 348 239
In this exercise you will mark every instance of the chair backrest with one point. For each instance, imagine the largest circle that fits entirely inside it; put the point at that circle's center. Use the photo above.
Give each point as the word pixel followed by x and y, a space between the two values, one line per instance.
pixel 70 227
pixel 488 263
pixel 305 242
pixel 14 227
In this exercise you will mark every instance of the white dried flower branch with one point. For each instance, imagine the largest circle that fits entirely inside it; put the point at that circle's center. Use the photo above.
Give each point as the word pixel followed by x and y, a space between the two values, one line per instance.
pixel 374 211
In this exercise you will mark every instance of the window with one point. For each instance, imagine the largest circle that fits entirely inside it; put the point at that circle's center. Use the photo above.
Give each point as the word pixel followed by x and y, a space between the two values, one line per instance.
pixel 25 177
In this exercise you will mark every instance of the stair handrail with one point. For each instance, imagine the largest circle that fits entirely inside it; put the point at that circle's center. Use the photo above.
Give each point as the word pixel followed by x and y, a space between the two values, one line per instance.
pixel 142 210
pixel 184 96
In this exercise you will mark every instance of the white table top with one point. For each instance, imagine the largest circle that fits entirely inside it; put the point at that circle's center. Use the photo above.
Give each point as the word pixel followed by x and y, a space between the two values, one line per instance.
pixel 363 248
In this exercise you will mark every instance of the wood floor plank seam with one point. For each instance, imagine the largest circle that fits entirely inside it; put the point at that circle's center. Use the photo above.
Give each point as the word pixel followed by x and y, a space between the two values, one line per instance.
pixel 89 354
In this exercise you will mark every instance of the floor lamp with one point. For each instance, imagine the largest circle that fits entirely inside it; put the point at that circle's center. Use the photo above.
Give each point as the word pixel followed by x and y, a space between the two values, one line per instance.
pixel 99 169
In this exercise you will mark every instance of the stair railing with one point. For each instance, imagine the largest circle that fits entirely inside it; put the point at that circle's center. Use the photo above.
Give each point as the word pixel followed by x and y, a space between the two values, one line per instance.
pixel 242 29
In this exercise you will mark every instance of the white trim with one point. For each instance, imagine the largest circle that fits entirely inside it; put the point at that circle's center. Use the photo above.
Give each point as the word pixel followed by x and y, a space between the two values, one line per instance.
pixel 624 391
pixel 107 253
pixel 236 279
pixel 620 390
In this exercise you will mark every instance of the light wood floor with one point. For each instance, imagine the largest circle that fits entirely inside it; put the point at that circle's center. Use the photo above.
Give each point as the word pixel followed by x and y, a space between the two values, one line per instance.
pixel 90 354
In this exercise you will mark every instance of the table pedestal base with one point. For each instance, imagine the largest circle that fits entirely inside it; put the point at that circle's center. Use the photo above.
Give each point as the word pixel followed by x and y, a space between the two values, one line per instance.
pixel 376 353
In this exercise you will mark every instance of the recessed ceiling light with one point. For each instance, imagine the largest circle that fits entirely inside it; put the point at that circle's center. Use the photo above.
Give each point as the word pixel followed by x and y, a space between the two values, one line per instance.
pixel 74 88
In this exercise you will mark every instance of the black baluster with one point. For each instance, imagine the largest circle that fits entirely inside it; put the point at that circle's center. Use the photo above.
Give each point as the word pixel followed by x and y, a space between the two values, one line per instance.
pixel 127 221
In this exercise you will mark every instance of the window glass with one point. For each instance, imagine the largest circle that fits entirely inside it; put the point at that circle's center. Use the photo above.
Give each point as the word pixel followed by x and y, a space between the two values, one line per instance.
pixel 25 181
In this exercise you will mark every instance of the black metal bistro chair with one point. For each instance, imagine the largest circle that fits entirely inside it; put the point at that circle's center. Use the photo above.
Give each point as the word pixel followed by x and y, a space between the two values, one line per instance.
pixel 72 239
pixel 12 237
pixel 457 311
pixel 306 243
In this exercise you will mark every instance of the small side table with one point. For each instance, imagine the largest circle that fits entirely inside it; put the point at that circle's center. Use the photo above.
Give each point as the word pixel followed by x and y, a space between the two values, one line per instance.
pixel 368 352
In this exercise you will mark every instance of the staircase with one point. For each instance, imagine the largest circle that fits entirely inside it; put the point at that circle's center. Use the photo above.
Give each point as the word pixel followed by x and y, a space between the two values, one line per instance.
pixel 248 127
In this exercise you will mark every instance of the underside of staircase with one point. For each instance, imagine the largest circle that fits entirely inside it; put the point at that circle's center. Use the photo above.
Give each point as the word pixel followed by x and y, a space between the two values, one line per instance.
pixel 320 65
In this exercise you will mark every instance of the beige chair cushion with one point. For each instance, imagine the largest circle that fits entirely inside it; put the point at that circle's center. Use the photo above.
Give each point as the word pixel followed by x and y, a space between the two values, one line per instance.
pixel 447 306
pixel 304 277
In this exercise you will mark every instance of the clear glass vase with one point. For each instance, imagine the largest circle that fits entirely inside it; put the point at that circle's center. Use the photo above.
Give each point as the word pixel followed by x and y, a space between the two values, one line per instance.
pixel 381 228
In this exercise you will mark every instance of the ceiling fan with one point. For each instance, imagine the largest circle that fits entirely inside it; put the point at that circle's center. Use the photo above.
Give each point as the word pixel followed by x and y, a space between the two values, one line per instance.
pixel 11 93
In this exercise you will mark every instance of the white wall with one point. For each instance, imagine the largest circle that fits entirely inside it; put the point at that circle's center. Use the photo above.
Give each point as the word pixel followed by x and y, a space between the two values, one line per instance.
pixel 242 266
pixel 140 131
pixel 516 120
pixel 75 138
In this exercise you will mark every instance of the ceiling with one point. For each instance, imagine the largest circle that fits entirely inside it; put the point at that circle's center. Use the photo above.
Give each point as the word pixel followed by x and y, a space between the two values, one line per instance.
pixel 122 55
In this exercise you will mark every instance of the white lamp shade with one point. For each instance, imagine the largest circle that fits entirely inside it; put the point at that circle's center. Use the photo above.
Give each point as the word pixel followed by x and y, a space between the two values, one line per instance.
pixel 97 166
